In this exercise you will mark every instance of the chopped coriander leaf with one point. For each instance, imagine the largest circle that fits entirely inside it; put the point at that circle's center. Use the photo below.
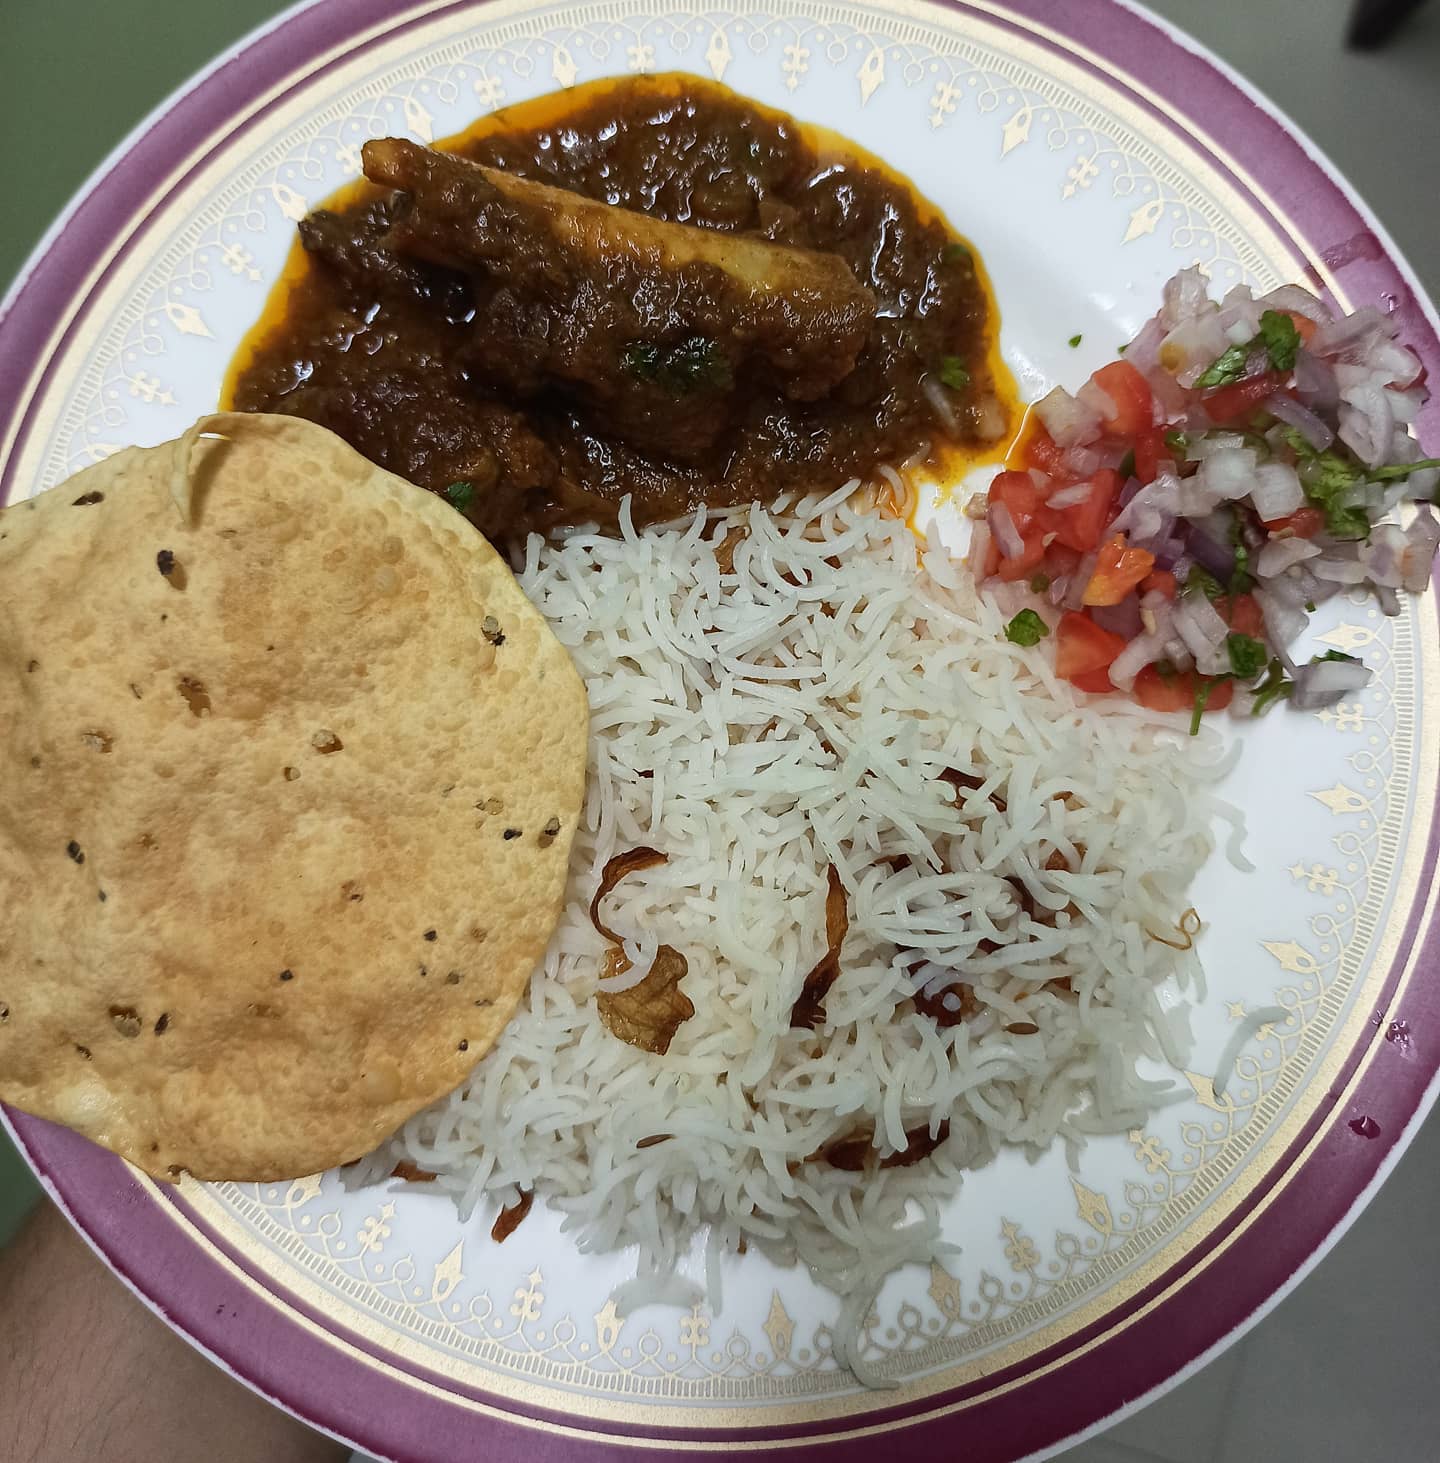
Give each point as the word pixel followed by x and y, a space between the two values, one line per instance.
pixel 1075 340
pixel 1275 687
pixel 1335 655
pixel 955 254
pixel 1327 478
pixel 1227 369
pixel 1124 347
pixel 1177 442
pixel 1027 628
pixel 1039 583
pixel 460 495
pixel 1301 446
pixel 642 359
pixel 1127 466
pixel 953 373
pixel 1201 581
pixel 692 365
pixel 1204 685
pixel 1247 655
pixel 1240 575
pixel 1280 338
pixel 1399 470
pixel 1309 606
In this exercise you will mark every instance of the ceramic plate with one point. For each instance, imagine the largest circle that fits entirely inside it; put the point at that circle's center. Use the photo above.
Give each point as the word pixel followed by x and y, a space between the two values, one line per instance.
pixel 1089 153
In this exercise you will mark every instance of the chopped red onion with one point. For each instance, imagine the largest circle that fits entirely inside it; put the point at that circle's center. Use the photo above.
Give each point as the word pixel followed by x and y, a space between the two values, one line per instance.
pixel 1228 474
pixel 1366 423
pixel 1081 462
pixel 1007 536
pixel 1423 538
pixel 1193 347
pixel 1059 590
pixel 1187 294
pixel 1315 381
pixel 1276 492
pixel 1069 422
pixel 1283 621
pixel 1098 400
pixel 1121 619
pixel 1286 409
pixel 1324 682
pixel 1339 571
pixel 1397 364
pixel 1302 302
pixel 1075 590
pixel 1353 336
pixel 1281 554
pixel 1144 351
pixel 1217 558
pixel 1069 497
pixel 1383 556
pixel 1139 653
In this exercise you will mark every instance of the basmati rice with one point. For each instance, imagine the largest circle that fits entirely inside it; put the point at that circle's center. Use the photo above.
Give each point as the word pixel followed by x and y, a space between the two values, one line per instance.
pixel 757 726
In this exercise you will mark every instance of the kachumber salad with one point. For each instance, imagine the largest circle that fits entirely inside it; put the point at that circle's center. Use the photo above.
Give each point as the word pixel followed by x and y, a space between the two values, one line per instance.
pixel 723 861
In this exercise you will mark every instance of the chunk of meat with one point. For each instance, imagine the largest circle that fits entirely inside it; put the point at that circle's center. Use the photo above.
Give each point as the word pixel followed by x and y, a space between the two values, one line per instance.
pixel 646 324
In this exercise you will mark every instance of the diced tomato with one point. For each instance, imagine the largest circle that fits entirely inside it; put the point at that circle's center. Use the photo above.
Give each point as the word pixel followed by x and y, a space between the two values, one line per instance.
pixel 1151 452
pixel 1023 565
pixel 1162 580
pixel 1081 646
pixel 1097 683
pixel 1303 523
pixel 1242 613
pixel 1130 391
pixel 1230 403
pixel 1081 525
pixel 1118 569
pixel 1039 450
pixel 1305 327
pixel 1176 691
pixel 1017 491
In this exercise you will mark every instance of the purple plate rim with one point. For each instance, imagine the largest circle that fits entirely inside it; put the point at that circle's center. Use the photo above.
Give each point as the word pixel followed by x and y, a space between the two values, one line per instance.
pixel 1286 1223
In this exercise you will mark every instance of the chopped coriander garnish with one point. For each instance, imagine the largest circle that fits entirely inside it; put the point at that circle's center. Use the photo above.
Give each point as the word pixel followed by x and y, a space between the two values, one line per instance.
pixel 1076 339
pixel 1202 580
pixel 1240 575
pixel 1027 628
pixel 1127 466
pixel 1226 369
pixel 1203 687
pixel 460 494
pixel 1398 471
pixel 1309 606
pixel 1039 583
pixel 1335 655
pixel 1275 687
pixel 1280 338
pixel 642 359
pixel 1124 347
pixel 956 254
pixel 1247 655
pixel 692 365
pixel 953 373
pixel 1177 442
